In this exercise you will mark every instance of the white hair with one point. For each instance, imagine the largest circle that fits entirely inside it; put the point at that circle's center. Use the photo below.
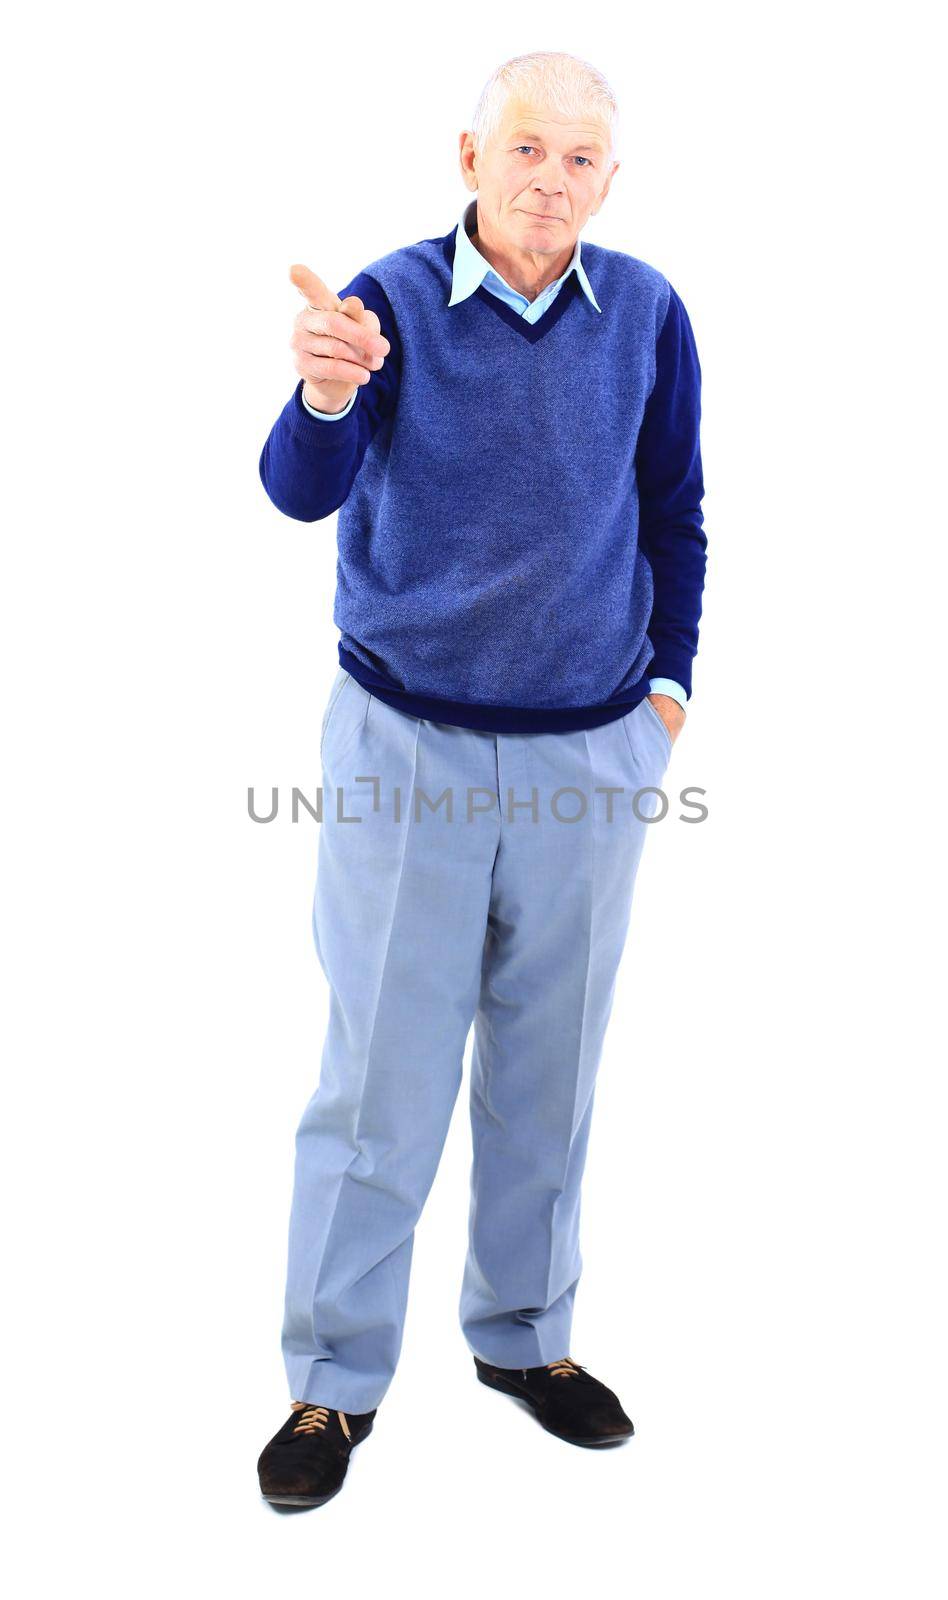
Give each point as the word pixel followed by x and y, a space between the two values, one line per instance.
pixel 551 81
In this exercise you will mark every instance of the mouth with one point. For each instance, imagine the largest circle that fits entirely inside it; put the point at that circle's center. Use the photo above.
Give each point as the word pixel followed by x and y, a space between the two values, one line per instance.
pixel 541 216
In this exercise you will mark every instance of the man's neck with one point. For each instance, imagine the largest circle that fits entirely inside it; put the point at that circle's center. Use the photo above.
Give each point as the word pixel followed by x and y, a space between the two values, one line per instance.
pixel 529 274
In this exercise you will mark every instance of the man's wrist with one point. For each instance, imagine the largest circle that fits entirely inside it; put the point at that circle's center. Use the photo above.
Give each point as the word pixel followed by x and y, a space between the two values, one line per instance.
pixel 329 416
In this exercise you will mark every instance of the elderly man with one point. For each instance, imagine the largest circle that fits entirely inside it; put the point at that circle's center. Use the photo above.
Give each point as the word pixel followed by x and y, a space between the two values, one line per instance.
pixel 509 430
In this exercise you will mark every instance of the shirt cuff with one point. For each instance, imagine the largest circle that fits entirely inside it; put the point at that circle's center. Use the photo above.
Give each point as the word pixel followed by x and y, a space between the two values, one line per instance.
pixel 670 687
pixel 329 416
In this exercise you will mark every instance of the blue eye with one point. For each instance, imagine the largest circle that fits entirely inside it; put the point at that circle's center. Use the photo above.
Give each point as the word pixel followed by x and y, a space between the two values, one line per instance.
pixel 528 147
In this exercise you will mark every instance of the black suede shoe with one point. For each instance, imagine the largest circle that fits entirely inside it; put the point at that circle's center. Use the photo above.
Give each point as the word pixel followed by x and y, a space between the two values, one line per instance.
pixel 306 1462
pixel 565 1398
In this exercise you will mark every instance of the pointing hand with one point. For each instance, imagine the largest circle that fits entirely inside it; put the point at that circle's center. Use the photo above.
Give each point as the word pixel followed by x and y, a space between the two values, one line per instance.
pixel 337 343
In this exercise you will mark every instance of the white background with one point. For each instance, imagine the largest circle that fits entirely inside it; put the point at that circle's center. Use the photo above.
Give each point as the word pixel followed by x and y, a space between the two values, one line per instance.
pixel 765 1198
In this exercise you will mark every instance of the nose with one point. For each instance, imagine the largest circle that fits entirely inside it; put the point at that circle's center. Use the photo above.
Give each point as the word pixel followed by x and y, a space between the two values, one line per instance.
pixel 547 178
pixel 544 196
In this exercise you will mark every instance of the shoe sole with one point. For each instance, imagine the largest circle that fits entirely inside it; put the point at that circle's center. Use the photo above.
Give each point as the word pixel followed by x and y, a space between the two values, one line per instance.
pixel 304 1502
pixel 298 1501
pixel 503 1387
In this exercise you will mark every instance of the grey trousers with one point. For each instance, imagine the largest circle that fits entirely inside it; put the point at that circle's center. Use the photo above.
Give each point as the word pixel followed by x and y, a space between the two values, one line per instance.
pixel 463 877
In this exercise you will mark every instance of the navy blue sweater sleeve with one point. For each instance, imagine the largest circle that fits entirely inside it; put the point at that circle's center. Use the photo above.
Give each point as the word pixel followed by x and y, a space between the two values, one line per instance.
pixel 670 485
pixel 308 466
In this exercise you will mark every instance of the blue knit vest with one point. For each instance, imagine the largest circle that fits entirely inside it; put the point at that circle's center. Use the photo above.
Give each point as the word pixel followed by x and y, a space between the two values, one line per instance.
pixel 487 550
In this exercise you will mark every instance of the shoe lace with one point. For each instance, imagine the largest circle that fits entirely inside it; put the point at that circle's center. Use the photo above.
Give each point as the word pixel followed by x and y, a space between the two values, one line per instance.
pixel 313 1419
pixel 566 1368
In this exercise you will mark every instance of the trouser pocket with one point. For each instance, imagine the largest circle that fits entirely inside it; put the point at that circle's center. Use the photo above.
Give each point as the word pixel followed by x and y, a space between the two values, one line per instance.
pixel 651 711
pixel 338 684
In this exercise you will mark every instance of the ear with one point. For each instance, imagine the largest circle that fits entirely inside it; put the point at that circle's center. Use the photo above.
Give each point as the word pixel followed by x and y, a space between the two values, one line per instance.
pixel 468 159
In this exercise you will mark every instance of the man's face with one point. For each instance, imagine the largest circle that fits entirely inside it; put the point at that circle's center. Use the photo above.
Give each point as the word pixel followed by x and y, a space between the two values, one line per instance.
pixel 541 178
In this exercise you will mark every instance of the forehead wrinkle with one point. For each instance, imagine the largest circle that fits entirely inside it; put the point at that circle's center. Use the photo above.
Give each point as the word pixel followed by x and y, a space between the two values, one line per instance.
pixel 524 130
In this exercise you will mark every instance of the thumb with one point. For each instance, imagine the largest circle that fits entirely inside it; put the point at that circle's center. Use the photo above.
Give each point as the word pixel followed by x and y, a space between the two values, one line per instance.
pixel 314 291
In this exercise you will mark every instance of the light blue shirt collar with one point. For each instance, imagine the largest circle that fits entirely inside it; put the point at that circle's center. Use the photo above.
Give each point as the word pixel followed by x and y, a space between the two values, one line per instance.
pixel 471 268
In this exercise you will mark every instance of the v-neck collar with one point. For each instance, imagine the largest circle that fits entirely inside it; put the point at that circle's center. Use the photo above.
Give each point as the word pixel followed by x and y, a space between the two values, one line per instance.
pixel 569 290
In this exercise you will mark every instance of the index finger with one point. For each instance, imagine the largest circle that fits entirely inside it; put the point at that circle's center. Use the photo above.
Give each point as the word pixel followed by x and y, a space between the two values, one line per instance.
pixel 315 292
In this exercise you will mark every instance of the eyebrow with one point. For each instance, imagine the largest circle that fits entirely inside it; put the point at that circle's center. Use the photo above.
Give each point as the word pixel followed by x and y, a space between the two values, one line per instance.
pixel 522 137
